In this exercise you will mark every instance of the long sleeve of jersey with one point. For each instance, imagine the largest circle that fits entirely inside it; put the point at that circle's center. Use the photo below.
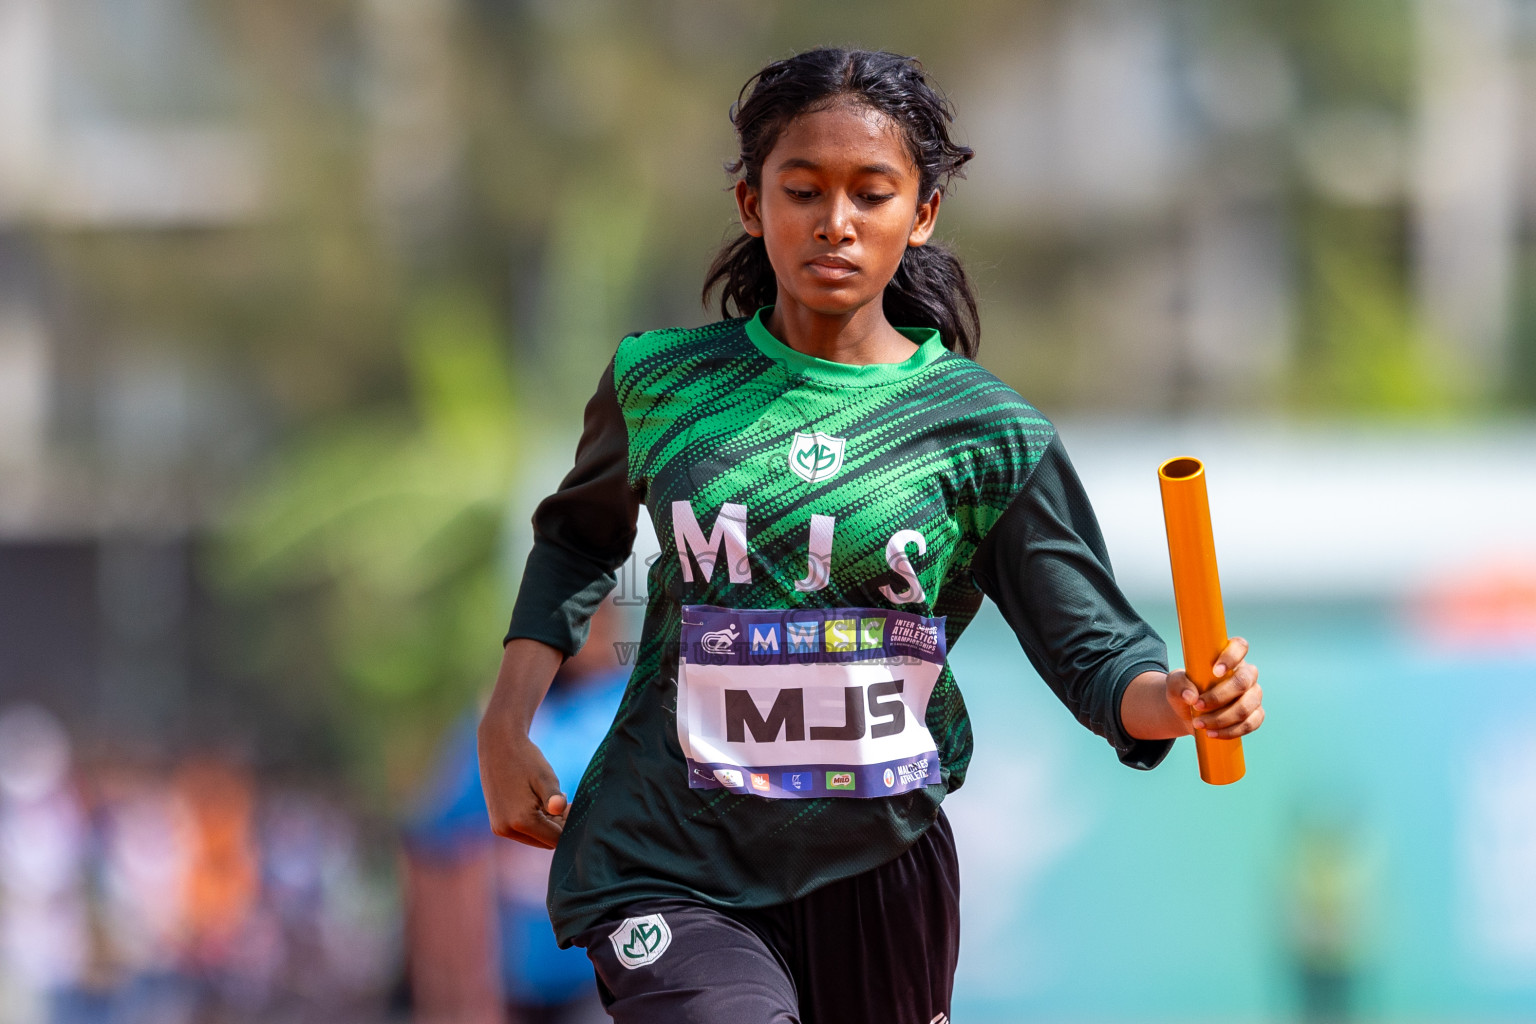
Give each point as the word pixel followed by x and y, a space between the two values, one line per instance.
pixel 581 534
pixel 1045 565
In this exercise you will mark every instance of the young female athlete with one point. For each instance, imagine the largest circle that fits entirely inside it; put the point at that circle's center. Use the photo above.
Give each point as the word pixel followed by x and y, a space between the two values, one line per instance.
pixel 837 485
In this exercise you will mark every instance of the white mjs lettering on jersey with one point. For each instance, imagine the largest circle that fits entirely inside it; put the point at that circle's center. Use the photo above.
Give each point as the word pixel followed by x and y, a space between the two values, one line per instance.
pixel 730 530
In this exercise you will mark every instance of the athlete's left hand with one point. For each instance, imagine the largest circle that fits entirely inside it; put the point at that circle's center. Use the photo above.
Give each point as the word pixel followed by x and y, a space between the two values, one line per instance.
pixel 1232 707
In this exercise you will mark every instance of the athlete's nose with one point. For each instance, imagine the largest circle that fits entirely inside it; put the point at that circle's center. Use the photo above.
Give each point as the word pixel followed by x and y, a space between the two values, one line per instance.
pixel 837 223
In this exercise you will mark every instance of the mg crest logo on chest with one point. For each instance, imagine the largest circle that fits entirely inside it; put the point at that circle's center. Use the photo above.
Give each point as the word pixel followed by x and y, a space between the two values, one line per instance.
pixel 816 457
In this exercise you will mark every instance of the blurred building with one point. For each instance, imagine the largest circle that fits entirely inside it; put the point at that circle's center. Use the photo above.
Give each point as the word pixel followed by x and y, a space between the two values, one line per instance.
pixel 118 126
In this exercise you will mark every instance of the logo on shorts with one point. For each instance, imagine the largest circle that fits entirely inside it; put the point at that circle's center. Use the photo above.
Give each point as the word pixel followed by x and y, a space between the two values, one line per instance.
pixel 890 778
pixel 728 777
pixel 816 457
pixel 839 780
pixel 638 941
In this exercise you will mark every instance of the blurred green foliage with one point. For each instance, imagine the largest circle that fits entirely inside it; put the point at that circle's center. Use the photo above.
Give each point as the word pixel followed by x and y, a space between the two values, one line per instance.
pixel 1364 346
pixel 367 548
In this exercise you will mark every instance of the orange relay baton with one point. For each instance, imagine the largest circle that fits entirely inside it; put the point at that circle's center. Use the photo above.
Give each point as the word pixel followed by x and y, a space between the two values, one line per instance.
pixel 1197 595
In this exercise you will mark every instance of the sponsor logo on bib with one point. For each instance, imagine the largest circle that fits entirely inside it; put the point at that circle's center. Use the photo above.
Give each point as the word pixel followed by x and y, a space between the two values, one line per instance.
pixel 760 782
pixel 840 780
pixel 719 641
pixel 842 635
pixel 728 777
pixel 800 782
pixel 890 778
pixel 816 457
pixel 802 637
pixel 764 639
pixel 638 941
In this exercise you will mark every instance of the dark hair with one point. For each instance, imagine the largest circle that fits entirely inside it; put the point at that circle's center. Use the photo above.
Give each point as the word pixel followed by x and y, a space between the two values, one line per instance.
pixel 930 288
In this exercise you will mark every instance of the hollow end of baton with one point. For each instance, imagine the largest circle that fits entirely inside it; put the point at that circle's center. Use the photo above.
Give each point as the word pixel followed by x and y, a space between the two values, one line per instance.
pixel 1181 468
pixel 1197 595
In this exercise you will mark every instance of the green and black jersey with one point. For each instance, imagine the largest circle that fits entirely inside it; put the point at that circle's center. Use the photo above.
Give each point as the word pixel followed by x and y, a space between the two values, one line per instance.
pixel 827 532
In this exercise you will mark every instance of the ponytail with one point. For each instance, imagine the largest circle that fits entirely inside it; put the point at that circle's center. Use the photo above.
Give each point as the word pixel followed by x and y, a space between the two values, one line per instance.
pixel 930 289
pixel 748 277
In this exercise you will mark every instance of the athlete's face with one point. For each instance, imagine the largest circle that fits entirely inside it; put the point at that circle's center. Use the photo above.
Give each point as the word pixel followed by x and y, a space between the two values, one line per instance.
pixel 837 207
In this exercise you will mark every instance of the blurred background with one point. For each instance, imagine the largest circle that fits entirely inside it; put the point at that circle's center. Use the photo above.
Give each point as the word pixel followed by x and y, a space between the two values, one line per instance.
pixel 299 304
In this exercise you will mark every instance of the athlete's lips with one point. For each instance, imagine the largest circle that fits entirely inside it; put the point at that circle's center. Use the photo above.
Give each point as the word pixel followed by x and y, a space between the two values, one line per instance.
pixel 832 267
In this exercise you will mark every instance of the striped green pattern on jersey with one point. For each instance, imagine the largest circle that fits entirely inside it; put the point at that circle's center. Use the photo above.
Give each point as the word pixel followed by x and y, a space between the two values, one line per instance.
pixel 908 465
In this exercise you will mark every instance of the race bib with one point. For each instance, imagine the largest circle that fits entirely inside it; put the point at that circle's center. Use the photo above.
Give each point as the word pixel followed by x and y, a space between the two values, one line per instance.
pixel 803 704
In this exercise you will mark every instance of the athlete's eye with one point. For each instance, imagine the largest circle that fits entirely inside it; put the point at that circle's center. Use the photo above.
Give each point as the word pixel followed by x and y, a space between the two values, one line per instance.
pixel 803 195
pixel 880 197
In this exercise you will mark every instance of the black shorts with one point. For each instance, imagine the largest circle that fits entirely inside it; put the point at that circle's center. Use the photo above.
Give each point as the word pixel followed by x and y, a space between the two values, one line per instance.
pixel 878 947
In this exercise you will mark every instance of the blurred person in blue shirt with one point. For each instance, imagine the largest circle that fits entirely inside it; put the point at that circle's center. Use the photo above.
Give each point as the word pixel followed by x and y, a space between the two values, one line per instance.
pixel 451 853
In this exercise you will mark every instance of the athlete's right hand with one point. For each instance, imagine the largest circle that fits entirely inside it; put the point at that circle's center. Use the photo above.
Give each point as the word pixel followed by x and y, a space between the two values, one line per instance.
pixel 521 790
pixel 522 793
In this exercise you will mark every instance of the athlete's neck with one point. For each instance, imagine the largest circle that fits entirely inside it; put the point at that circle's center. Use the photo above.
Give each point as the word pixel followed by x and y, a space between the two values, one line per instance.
pixel 861 337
